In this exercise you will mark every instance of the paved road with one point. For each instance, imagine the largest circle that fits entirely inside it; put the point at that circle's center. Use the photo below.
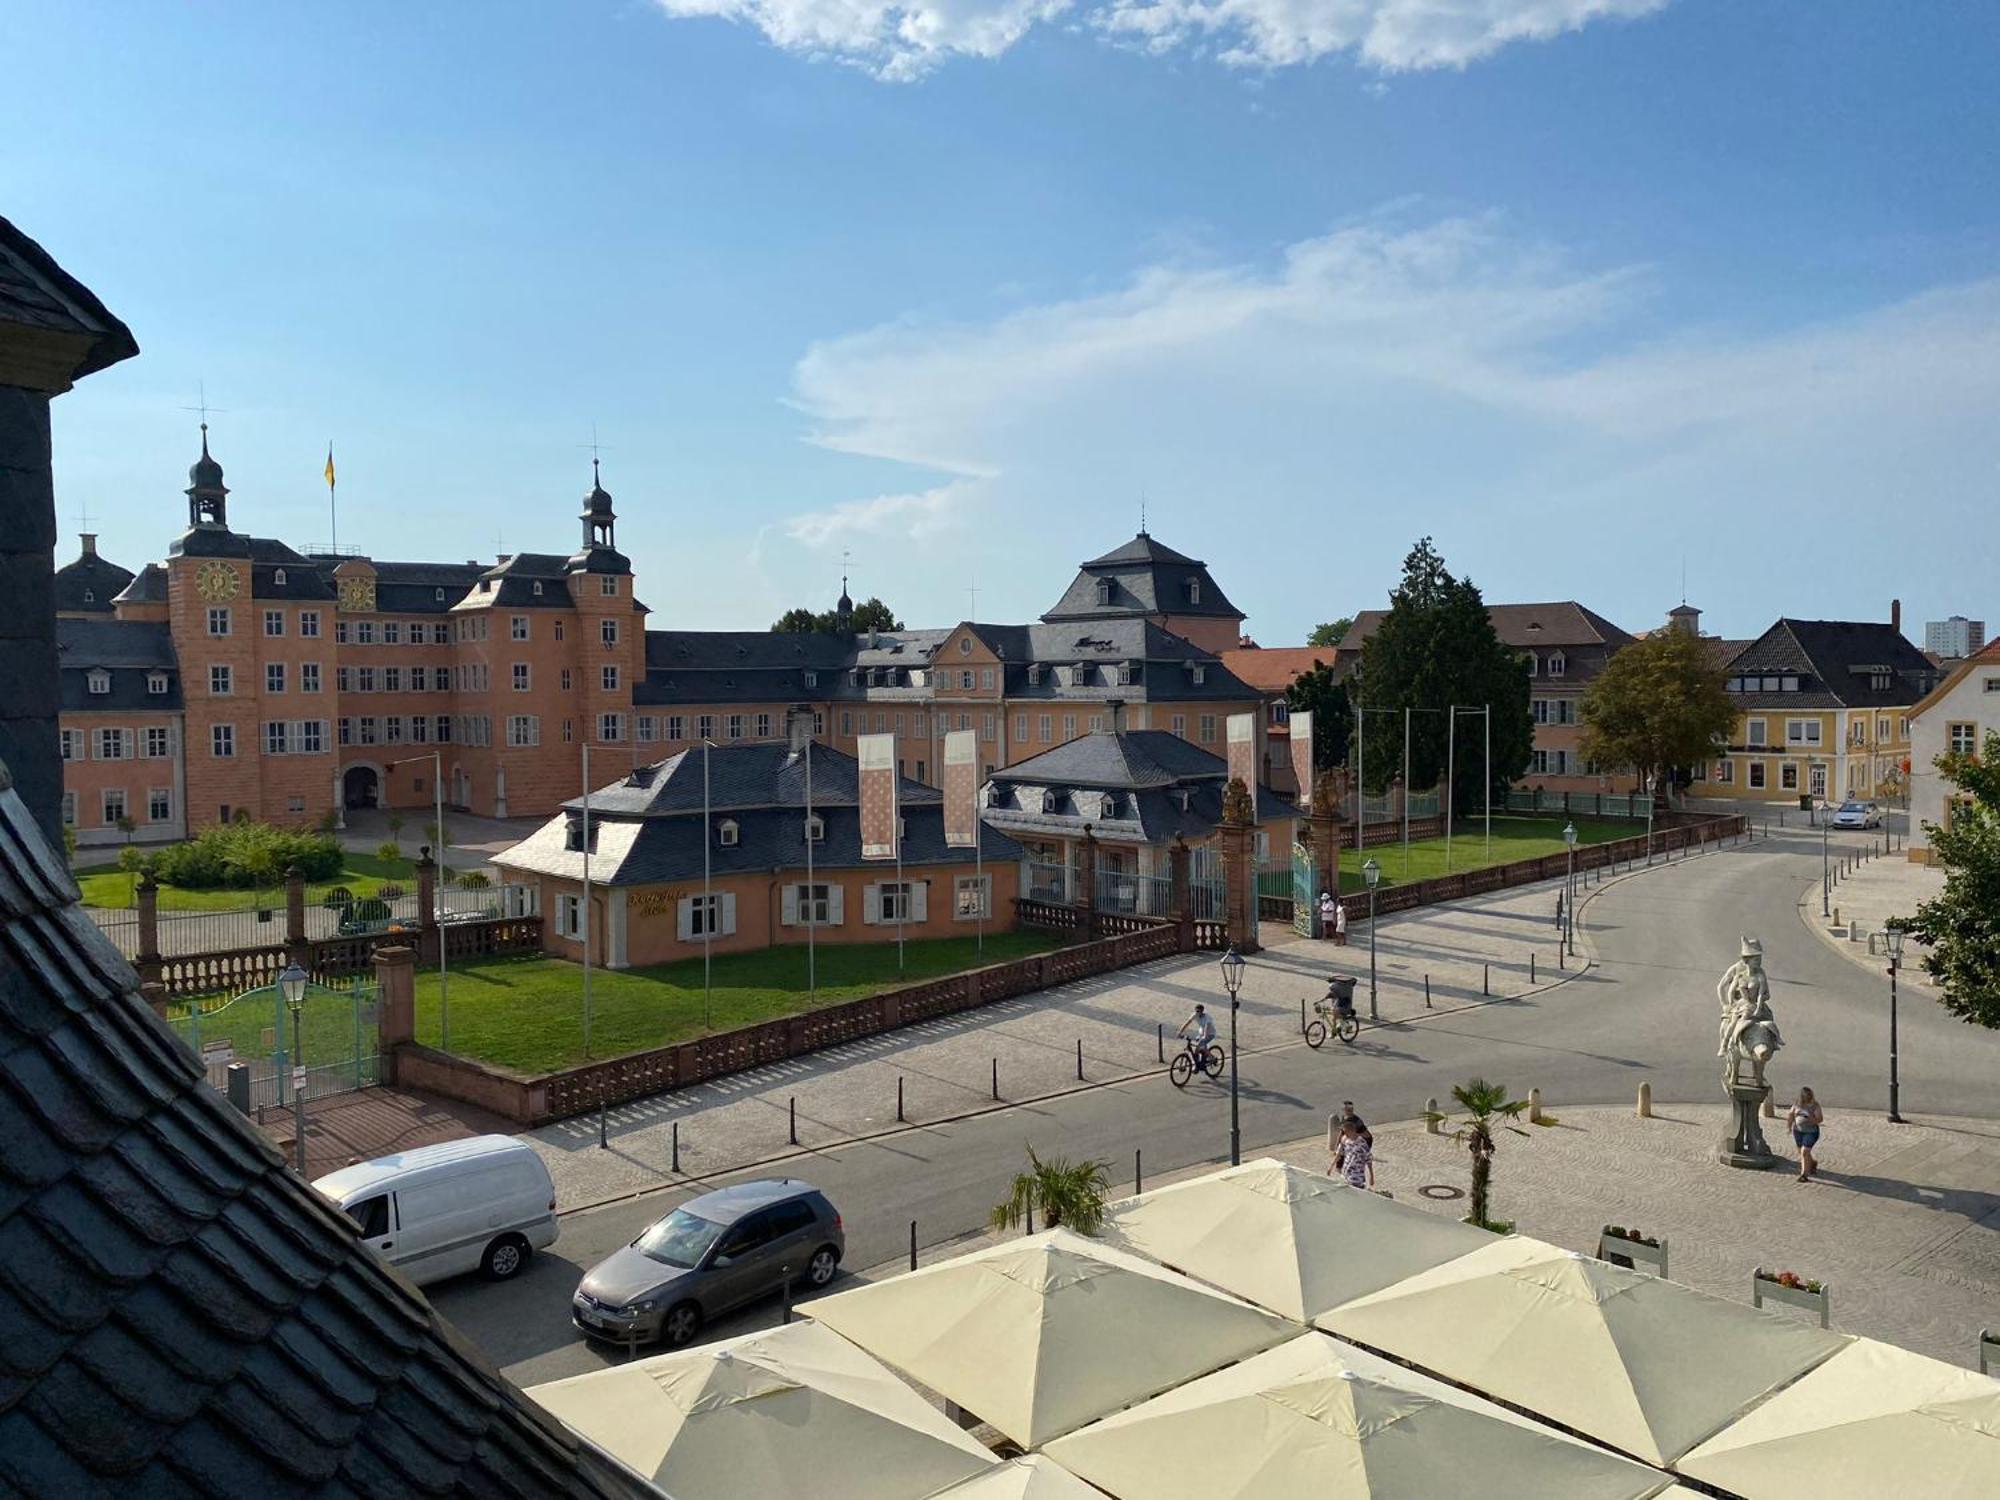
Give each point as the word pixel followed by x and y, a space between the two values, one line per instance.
pixel 1647 1010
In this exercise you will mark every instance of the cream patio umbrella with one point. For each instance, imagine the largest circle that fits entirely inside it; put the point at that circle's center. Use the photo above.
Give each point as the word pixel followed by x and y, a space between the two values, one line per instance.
pixel 1042 1334
pixel 796 1410
pixel 1285 1238
pixel 1873 1420
pixel 1029 1477
pixel 1641 1363
pixel 1316 1417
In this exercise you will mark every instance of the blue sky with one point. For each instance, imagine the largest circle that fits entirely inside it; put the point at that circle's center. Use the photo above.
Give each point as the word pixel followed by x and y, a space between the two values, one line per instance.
pixel 1584 288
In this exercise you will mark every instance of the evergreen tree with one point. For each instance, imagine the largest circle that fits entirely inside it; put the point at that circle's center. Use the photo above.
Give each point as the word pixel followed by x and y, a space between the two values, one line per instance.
pixel 1332 633
pixel 1333 717
pixel 1436 648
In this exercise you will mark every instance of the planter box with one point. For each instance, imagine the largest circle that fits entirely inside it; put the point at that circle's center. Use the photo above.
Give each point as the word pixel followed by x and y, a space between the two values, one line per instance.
pixel 1633 1254
pixel 1763 1290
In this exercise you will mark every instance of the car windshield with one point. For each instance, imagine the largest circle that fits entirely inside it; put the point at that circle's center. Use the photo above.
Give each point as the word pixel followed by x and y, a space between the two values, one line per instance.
pixel 680 1239
pixel 1850 807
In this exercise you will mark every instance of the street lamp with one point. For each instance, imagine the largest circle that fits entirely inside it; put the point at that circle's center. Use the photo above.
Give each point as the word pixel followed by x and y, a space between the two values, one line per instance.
pixel 1232 981
pixel 1895 1087
pixel 292 989
pixel 1372 874
pixel 1569 887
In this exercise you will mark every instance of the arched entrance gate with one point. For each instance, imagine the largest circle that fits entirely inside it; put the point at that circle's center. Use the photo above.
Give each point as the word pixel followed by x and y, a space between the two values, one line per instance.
pixel 336 1031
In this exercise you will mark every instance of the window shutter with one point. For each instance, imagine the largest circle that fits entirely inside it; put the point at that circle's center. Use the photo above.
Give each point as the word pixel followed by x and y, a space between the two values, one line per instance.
pixel 871 904
pixel 919 900
pixel 788 906
pixel 686 918
pixel 728 925
pixel 835 899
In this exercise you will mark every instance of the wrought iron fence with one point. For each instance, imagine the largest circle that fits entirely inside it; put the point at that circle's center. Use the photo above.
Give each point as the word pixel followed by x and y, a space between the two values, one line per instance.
pixel 1046 882
pixel 335 1030
pixel 1140 895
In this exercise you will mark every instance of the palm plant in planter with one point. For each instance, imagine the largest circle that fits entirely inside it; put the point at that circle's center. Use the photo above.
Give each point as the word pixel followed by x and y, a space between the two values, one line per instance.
pixel 1485 1106
pixel 1069 1194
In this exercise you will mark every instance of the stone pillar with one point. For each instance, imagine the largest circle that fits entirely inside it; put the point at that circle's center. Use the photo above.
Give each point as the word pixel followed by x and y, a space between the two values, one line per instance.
pixel 147 962
pixel 1239 865
pixel 396 1004
pixel 1180 908
pixel 1323 829
pixel 427 922
pixel 1084 898
pixel 297 950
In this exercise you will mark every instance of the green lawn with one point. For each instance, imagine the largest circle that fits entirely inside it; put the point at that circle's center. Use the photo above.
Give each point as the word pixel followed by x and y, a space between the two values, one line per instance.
pixel 527 1013
pixel 326 1027
pixel 362 874
pixel 1513 838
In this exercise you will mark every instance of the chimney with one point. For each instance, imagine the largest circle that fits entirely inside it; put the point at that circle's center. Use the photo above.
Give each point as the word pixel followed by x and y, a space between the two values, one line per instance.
pixel 1896 615
pixel 89 540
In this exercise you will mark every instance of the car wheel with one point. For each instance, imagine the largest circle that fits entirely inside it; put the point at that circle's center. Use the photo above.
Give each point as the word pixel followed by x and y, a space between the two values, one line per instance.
pixel 505 1257
pixel 680 1325
pixel 820 1269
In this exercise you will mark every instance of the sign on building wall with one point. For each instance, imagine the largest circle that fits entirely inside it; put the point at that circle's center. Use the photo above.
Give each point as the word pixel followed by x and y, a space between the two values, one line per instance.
pixel 879 813
pixel 961 789
pixel 1302 754
pixel 1243 749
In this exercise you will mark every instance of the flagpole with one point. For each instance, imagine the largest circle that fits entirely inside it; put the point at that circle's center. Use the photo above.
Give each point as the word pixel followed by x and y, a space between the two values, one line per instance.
pixel 812 915
pixel 586 898
pixel 332 504
pixel 896 833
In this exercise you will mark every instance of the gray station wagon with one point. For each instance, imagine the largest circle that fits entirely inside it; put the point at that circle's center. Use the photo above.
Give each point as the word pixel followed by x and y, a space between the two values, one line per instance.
pixel 710 1255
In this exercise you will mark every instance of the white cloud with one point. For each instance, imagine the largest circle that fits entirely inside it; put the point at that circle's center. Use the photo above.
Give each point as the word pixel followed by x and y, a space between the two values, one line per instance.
pixel 901 42
pixel 915 517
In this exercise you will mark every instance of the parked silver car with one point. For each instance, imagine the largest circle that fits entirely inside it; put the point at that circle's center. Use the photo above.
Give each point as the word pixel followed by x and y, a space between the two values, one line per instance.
pixel 1853 814
pixel 710 1255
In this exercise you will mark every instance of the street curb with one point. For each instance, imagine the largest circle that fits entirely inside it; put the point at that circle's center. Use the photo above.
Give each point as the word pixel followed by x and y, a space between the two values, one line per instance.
pixel 1847 950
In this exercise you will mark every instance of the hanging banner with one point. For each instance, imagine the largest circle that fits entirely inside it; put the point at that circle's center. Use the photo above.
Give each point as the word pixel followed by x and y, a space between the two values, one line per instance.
pixel 961 789
pixel 1302 754
pixel 879 814
pixel 1243 750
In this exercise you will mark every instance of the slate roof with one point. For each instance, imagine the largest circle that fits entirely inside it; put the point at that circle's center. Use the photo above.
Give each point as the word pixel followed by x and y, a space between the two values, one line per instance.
pixel 647 827
pixel 148 586
pixel 131 650
pixel 1560 622
pixel 37 293
pixel 1129 760
pixel 1130 785
pixel 1146 578
pixel 88 585
pixel 183 1317
pixel 1827 658
pixel 411 588
pixel 526 580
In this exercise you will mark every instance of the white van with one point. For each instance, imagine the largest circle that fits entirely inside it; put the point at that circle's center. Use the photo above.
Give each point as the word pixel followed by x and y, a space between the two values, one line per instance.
pixel 484 1204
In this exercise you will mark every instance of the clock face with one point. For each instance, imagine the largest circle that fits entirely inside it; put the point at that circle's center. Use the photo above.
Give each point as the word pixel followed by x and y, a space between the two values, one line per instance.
pixel 215 579
pixel 357 593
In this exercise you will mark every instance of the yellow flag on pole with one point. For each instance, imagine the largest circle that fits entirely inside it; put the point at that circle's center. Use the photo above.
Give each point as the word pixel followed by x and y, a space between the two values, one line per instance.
pixel 329 466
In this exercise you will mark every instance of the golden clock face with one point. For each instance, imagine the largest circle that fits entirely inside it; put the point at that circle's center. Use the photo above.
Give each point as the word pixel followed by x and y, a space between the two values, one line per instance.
pixel 215 579
pixel 357 593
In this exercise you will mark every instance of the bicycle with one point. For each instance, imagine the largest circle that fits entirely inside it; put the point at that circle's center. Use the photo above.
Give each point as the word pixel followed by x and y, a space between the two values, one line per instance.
pixel 1182 1069
pixel 1329 1018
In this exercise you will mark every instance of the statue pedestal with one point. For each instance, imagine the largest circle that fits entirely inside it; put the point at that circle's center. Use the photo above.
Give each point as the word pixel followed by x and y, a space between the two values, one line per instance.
pixel 1744 1146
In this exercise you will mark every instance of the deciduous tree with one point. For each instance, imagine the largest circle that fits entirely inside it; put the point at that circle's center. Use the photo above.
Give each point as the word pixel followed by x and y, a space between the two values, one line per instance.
pixel 1960 926
pixel 1332 633
pixel 869 614
pixel 1333 717
pixel 1659 704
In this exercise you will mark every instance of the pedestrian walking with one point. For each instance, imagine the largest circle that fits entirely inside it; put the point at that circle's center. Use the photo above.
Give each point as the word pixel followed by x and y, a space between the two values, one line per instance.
pixel 1329 919
pixel 1340 924
pixel 1349 1117
pixel 1354 1157
pixel 1804 1119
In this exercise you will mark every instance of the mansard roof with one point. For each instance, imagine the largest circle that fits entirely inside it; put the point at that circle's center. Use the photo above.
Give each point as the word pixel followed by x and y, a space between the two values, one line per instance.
pixel 148 586
pixel 1143 577
pixel 89 584
pixel 1137 784
pixel 130 652
pixel 183 1315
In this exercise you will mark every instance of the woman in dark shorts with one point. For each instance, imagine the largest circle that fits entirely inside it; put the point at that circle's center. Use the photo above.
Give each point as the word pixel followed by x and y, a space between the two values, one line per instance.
pixel 1805 1119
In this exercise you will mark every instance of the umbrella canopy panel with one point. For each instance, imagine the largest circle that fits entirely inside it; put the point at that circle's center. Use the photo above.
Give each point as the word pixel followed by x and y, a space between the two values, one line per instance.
pixel 1029 1477
pixel 1873 1420
pixel 1644 1364
pixel 1284 1238
pixel 796 1410
pixel 1321 1418
pixel 1040 1335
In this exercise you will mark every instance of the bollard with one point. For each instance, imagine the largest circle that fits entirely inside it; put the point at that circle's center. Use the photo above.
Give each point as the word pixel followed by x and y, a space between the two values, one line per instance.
pixel 1138 1177
pixel 1160 1041
pixel 1079 1059
pixel 677 1145
pixel 785 1296
pixel 913 1244
pixel 1302 1015
pixel 1486 979
pixel 1431 1122
pixel 1427 992
pixel 602 1143
pixel 792 1109
pixel 1534 1106
pixel 1531 964
pixel 996 1078
pixel 899 1099
pixel 1645 1106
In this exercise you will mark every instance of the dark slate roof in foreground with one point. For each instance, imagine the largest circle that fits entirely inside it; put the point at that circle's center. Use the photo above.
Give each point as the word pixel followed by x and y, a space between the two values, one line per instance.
pixel 181 1316
pixel 764 774
pixel 148 586
pixel 1143 784
pixel 1129 760
pixel 37 293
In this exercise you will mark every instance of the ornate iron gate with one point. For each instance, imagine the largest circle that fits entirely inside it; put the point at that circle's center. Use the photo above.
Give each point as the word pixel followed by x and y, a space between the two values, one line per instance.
pixel 1305 892
pixel 335 1031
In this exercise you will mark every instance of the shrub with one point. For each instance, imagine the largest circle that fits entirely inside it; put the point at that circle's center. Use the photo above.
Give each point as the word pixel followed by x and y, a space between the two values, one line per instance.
pixel 389 852
pixel 475 880
pixel 247 854
pixel 369 909
pixel 338 899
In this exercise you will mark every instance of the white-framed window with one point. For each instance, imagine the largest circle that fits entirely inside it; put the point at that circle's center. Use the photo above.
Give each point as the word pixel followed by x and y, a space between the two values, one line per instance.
pixel 392 679
pixel 1755 733
pixel 893 901
pixel 1802 731
pixel 1208 729
pixel 523 730
pixel 812 679
pixel 98 681
pixel 986 679
pixel 277 738
pixel 159 804
pixel 392 730
pixel 1534 665
pixel 1725 772
pixel 965 680
pixel 811 905
pixel 517 627
pixel 111 802
pixel 1177 723
pixel 987 727
pixel 221 682
pixel 364 632
pixel 112 744
pixel 392 632
pixel 728 833
pixel 340 632
pixel 704 726
pixel 274 622
pixel 72 744
pixel 1558 664
pixel 607 678
pixel 157 742
pixel 308 622
pixel 441 630
pixel 156 684
pixel 309 735
pixel 607 631
pixel 565 679
pixel 521 677
pixel 971 897
pixel 1788 776
pixel 611 726
pixel 420 734
pixel 1020 728
pixel 274 677
pixel 344 731
pixel 69 809
pixel 707 916
pixel 1757 775
pixel 815 829
pixel 764 726
pixel 364 679
pixel 1961 739
pixel 368 730
pixel 222 740
pixel 308 676
pixel 569 915
pixel 676 727
pixel 819 722
pixel 607 585
pixel 1194 591
pixel 218 620
pixel 538 588
pixel 735 726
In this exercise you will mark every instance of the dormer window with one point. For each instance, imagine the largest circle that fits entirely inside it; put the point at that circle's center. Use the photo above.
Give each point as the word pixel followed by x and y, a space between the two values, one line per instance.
pixel 1125 673
pixel 815 829
pixel 1557 664
pixel 1534 665
pixel 727 833
pixel 438 594
pixel 1034 674
pixel 854 677
pixel 538 588
pixel 156 683
pixel 1185 798
pixel 1194 591
pixel 278 578
pixel 1200 673
pixel 1048 799
pixel 1104 591
pixel 99 680
pixel 812 679
pixel 90 596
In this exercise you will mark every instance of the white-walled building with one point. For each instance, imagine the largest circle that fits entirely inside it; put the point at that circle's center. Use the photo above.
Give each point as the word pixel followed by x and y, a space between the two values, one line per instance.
pixel 1957 716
